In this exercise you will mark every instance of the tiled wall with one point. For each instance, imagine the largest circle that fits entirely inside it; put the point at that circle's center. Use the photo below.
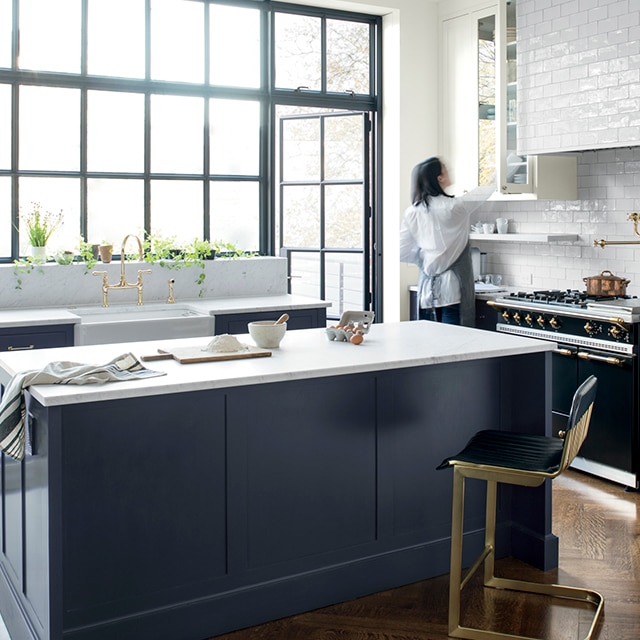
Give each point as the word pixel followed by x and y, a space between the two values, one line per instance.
pixel 578 74
pixel 608 190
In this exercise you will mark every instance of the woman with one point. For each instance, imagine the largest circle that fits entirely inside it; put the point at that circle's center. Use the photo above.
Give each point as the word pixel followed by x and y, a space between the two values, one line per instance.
pixel 435 236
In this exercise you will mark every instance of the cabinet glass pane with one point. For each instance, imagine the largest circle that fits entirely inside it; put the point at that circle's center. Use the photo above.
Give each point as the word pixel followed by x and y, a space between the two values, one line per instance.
pixel 121 22
pixel 235 46
pixel 49 114
pixel 50 35
pixel 235 208
pixel 115 131
pixel 347 56
pixel 486 100
pixel 5 33
pixel 298 51
pixel 177 40
pixel 517 168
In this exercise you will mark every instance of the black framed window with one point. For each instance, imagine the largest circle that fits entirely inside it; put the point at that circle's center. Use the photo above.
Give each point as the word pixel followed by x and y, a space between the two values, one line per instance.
pixel 159 116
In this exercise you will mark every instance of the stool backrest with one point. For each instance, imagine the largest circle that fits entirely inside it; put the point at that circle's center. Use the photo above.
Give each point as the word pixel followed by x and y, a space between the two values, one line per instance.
pixel 578 423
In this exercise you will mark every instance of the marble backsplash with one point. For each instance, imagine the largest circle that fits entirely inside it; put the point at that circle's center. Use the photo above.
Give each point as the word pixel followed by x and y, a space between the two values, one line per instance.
pixel 53 285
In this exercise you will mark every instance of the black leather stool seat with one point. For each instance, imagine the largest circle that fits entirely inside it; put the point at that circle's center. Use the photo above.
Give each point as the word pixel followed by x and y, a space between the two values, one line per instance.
pixel 510 450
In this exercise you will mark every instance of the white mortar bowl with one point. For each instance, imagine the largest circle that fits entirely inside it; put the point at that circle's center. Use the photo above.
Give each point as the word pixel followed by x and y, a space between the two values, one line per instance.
pixel 266 334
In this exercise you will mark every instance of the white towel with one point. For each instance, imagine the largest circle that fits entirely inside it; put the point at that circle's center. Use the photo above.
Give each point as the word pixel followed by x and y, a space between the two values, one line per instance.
pixel 12 407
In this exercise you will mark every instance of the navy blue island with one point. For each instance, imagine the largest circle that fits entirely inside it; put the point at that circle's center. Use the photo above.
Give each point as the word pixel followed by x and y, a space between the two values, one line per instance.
pixel 225 494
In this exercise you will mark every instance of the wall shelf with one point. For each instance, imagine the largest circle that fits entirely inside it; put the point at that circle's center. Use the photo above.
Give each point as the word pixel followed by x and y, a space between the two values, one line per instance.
pixel 524 237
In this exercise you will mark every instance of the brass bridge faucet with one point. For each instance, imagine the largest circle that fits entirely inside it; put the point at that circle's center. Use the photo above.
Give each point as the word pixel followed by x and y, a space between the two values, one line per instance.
pixel 123 284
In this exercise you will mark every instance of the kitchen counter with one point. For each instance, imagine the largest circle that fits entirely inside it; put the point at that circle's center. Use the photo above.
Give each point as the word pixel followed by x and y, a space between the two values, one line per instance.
pixel 226 494
pixel 214 306
pixel 302 355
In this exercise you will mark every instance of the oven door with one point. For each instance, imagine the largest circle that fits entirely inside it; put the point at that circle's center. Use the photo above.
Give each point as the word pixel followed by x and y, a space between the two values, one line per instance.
pixel 611 440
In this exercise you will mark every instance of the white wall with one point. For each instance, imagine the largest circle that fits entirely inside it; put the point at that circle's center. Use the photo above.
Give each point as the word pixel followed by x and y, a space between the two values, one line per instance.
pixel 578 74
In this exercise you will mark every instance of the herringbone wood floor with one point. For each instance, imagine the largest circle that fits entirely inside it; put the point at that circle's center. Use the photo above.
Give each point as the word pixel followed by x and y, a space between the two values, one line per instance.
pixel 597 524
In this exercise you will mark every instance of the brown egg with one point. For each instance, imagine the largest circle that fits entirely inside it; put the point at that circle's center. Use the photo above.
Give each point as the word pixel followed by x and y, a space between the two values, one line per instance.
pixel 356 338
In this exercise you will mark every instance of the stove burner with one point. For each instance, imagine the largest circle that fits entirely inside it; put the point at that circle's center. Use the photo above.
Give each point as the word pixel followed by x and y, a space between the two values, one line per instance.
pixel 567 297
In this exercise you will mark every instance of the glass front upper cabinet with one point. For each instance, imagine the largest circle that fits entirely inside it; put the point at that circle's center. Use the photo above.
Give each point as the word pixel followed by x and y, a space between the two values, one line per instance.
pixel 515 169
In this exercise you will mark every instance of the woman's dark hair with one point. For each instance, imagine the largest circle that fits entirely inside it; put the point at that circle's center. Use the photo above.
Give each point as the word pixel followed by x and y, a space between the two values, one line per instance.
pixel 424 181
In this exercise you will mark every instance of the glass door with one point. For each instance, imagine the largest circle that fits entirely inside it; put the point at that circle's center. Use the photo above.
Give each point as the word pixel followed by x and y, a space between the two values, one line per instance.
pixel 323 205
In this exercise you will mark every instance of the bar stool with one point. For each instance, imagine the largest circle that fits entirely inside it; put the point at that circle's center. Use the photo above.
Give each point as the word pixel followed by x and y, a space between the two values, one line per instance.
pixel 520 459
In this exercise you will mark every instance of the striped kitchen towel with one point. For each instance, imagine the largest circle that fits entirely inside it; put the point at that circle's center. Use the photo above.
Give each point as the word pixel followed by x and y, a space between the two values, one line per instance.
pixel 13 436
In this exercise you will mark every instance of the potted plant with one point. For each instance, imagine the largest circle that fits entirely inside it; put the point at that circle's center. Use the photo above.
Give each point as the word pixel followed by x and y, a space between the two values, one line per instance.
pixel 106 252
pixel 40 226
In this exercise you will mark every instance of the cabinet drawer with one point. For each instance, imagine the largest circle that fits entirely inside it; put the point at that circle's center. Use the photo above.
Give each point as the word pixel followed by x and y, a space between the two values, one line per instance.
pixel 298 319
pixel 25 338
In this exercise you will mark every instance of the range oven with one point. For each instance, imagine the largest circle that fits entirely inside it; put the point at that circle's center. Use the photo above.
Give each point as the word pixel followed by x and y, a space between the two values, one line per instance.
pixel 596 336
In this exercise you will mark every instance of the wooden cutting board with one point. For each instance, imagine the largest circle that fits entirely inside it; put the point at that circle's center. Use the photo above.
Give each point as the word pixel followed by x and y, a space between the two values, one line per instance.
pixel 190 355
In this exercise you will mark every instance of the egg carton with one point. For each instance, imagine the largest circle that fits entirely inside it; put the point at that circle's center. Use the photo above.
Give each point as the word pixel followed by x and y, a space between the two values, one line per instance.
pixel 351 322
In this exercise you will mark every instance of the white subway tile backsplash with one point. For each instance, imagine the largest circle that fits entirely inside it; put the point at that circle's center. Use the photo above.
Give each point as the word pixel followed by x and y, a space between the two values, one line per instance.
pixel 608 191
pixel 590 55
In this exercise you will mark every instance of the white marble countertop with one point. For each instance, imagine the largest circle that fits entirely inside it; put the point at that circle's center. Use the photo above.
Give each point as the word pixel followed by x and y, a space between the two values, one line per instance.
pixel 303 354
pixel 10 318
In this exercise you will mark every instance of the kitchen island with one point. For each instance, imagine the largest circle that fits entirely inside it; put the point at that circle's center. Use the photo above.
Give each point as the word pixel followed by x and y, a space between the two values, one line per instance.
pixel 226 494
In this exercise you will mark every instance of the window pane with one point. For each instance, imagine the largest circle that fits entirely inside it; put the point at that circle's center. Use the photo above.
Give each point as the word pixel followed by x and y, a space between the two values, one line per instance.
pixel 176 209
pixel 53 195
pixel 115 131
pixel 235 208
pixel 347 56
pixel 301 141
pixel 49 138
pixel 177 40
pixel 235 35
pixel 120 21
pixel 5 33
pixel 234 127
pixel 344 217
pixel 5 126
pixel 301 216
pixel 50 35
pixel 305 272
pixel 343 146
pixel 5 215
pixel 115 208
pixel 344 280
pixel 177 126
pixel 298 51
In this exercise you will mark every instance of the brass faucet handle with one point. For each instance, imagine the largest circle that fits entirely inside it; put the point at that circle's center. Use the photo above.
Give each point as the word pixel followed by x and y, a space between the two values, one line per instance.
pixel 145 271
pixel 99 273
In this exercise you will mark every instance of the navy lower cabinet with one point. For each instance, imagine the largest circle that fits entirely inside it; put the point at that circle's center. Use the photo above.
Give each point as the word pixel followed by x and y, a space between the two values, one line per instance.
pixel 184 516
pixel 298 319
pixel 37 337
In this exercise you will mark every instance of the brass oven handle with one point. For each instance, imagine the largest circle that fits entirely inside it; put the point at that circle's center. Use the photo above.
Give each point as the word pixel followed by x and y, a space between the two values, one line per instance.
pixel 592 356
pixel 29 346
pixel 565 352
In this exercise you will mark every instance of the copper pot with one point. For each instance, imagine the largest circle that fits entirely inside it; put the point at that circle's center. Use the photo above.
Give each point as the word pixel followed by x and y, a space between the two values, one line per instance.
pixel 606 284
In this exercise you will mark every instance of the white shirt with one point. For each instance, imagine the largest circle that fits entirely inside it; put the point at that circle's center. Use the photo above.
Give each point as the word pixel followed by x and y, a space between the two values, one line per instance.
pixel 434 237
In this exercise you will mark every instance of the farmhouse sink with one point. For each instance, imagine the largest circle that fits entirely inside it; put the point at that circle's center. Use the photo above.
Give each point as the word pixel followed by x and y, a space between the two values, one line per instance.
pixel 101 325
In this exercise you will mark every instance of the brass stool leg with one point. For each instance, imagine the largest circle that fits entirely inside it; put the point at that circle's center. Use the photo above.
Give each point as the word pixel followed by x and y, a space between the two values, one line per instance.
pixel 490 532
pixel 455 573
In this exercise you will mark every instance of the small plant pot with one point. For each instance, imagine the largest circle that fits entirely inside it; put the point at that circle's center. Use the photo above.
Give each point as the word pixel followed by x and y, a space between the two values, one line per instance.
pixel 106 252
pixel 39 253
pixel 95 251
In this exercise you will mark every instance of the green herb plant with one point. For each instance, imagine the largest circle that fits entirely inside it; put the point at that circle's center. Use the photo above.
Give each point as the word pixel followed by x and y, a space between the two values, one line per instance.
pixel 40 225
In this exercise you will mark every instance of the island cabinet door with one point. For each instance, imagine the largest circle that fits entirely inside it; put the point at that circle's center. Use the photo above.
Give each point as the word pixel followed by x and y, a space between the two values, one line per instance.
pixel 142 500
pixel 302 474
